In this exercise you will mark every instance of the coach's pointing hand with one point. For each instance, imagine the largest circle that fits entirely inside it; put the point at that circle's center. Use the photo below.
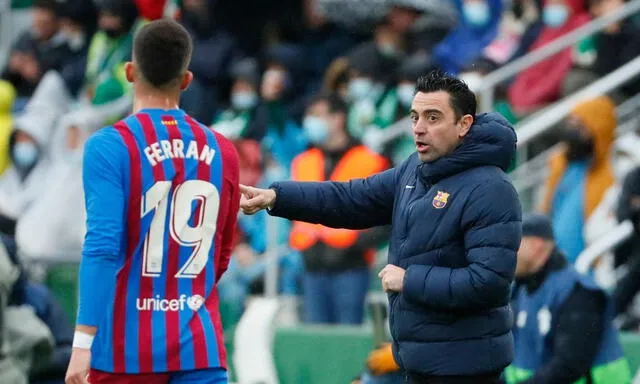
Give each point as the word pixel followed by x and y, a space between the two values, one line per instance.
pixel 392 278
pixel 256 199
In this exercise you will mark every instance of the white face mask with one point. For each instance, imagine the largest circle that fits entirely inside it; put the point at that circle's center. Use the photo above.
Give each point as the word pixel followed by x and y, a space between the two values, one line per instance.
pixel 405 94
pixel 75 41
pixel 360 88
pixel 25 154
pixel 243 100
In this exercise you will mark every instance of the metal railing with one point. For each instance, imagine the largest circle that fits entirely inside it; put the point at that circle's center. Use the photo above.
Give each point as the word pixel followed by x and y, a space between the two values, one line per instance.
pixel 531 173
pixel 539 123
pixel 486 91
pixel 604 244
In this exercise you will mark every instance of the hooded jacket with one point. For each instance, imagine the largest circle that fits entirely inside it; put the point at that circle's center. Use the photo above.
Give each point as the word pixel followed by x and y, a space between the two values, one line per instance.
pixel 48 104
pixel 456 228
pixel 599 117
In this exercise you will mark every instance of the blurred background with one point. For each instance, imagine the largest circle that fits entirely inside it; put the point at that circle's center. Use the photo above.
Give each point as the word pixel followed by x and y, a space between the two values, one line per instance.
pixel 279 77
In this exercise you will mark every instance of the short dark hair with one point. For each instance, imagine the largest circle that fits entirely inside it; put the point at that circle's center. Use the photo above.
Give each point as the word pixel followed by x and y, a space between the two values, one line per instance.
pixel 335 102
pixel 463 100
pixel 162 52
pixel 47 5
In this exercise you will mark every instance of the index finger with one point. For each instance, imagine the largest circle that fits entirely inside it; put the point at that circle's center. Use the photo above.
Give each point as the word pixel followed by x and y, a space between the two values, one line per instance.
pixel 245 188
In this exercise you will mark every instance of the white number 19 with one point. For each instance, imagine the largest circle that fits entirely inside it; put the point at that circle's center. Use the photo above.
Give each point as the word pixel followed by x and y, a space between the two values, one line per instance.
pixel 198 237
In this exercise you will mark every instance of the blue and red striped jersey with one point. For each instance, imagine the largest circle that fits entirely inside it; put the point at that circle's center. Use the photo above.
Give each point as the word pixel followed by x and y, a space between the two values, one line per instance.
pixel 162 197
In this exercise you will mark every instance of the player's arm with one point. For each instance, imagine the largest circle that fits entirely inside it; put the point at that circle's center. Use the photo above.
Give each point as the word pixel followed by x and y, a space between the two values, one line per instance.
pixel 231 171
pixel 104 160
pixel 492 230
pixel 356 204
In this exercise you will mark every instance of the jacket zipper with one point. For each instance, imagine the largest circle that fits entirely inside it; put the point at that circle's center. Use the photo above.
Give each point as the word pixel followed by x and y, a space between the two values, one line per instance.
pixel 394 300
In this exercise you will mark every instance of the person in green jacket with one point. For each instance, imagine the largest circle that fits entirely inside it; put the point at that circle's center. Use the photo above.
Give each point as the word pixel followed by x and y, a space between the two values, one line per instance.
pixel 109 50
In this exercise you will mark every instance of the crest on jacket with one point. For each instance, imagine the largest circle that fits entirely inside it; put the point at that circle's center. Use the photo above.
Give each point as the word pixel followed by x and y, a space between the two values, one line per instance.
pixel 440 200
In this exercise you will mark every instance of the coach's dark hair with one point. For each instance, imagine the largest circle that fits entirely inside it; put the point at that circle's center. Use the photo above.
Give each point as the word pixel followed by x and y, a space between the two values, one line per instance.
pixel 463 101
pixel 336 104
pixel 162 52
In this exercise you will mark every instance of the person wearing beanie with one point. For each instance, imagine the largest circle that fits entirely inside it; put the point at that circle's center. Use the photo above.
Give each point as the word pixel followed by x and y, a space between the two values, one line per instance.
pixel 563 321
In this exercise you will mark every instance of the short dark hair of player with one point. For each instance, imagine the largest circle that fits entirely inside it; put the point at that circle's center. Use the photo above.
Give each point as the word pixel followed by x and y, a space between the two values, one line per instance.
pixel 463 100
pixel 47 5
pixel 162 52
pixel 335 102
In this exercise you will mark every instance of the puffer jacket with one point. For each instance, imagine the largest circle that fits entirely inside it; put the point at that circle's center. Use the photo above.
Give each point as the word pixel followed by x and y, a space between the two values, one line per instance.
pixel 456 228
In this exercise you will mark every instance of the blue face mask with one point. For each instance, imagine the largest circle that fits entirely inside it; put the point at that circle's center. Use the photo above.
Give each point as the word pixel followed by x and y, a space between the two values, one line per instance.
pixel 316 129
pixel 360 88
pixel 243 100
pixel 477 13
pixel 405 94
pixel 25 154
pixel 555 15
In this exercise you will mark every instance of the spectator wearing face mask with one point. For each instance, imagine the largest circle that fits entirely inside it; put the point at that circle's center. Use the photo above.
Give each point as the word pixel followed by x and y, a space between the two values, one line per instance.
pixel 58 216
pixel 477 27
pixel 37 50
pixel 238 120
pixel 371 98
pixel 581 173
pixel 336 261
pixel 24 180
pixel 78 22
pixel 542 83
pixel 109 50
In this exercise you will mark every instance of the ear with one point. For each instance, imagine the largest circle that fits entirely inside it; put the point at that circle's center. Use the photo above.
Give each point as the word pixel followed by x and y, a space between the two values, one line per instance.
pixel 465 124
pixel 186 80
pixel 129 71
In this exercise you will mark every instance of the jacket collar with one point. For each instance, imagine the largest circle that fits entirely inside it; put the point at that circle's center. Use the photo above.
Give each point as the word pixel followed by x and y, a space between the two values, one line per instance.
pixel 490 141
pixel 556 261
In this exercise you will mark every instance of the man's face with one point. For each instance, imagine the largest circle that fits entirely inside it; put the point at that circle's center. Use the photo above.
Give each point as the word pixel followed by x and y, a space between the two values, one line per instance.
pixel 527 256
pixel 436 130
pixel 45 23
pixel 110 23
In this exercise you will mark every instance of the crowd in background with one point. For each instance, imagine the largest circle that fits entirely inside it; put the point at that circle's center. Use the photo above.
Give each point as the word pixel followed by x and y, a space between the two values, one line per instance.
pixel 299 86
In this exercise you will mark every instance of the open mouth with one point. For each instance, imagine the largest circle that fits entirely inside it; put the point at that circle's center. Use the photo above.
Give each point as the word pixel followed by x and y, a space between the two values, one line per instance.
pixel 422 147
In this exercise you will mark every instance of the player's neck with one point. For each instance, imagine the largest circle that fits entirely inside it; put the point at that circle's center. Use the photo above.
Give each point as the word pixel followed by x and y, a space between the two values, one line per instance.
pixel 147 99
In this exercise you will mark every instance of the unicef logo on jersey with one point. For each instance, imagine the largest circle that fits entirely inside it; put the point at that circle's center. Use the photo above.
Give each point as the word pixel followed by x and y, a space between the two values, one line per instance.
pixel 195 302
pixel 169 305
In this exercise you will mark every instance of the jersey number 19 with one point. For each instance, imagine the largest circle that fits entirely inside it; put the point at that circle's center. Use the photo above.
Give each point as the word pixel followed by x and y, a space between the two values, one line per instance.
pixel 199 237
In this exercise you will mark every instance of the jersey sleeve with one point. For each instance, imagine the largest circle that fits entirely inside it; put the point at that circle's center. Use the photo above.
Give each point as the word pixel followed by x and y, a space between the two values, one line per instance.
pixel 231 171
pixel 104 161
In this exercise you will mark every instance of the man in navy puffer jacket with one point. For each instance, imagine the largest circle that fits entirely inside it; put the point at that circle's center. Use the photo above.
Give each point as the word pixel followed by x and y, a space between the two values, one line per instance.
pixel 456 228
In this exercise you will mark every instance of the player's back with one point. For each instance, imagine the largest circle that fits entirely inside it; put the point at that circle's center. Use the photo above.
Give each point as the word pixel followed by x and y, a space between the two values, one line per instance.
pixel 180 186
